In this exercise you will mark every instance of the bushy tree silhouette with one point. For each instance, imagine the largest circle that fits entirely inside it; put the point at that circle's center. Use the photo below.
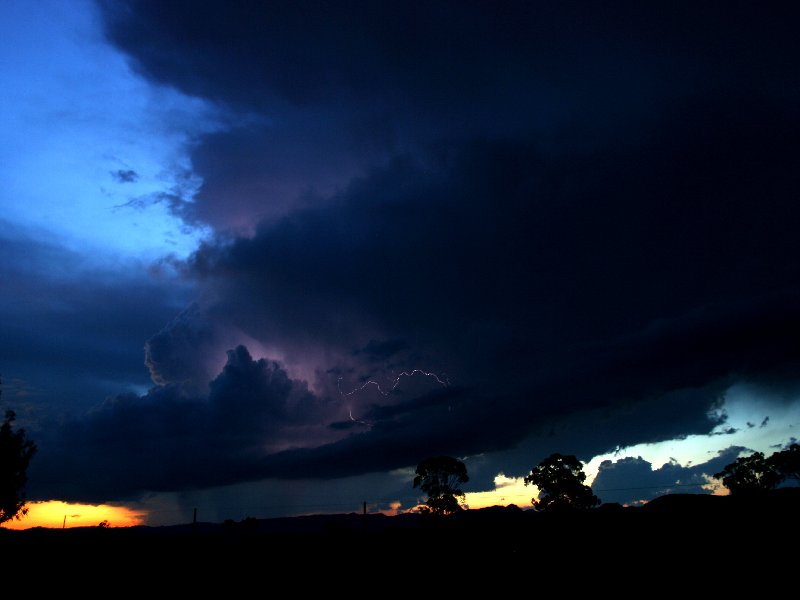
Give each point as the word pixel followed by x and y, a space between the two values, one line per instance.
pixel 787 462
pixel 15 454
pixel 440 477
pixel 560 480
pixel 749 475
pixel 755 473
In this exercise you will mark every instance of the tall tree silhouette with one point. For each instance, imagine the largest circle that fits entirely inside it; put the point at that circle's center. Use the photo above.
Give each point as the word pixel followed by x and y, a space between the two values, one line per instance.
pixel 787 462
pixel 750 475
pixel 755 473
pixel 15 455
pixel 560 480
pixel 440 477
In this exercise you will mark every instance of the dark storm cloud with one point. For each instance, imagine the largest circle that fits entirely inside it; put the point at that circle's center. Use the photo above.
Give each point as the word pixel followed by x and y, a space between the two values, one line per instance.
pixel 307 52
pixel 73 332
pixel 342 87
pixel 655 256
pixel 439 54
pixel 382 350
pixel 177 353
pixel 588 432
pixel 462 423
pixel 263 170
pixel 551 284
pixel 167 440
pixel 572 209
pixel 633 480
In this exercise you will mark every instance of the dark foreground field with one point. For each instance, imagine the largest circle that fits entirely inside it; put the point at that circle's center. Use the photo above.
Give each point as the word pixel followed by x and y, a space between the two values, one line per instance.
pixel 715 537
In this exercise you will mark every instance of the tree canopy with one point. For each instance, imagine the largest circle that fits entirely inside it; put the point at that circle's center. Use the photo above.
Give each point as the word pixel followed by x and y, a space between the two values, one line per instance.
pixel 787 462
pixel 440 477
pixel 15 454
pixel 756 473
pixel 560 479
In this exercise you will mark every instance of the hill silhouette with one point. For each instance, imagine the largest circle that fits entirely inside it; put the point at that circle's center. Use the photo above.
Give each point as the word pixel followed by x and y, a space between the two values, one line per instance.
pixel 676 529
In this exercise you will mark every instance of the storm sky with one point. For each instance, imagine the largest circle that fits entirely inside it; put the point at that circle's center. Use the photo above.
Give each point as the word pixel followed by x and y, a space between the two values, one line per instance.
pixel 264 258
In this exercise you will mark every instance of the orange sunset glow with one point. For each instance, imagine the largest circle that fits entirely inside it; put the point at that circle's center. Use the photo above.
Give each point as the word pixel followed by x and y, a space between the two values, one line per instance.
pixel 508 490
pixel 57 514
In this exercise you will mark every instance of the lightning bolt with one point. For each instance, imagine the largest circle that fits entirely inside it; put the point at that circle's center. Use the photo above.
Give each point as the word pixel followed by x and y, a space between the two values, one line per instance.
pixel 354 420
pixel 443 381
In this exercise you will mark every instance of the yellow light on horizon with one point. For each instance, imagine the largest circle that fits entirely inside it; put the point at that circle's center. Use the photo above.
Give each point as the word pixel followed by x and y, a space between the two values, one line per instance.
pixel 507 490
pixel 57 514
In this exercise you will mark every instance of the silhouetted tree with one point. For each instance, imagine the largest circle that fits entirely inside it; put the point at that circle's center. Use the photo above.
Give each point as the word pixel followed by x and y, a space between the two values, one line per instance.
pixel 787 462
pixel 749 475
pixel 440 477
pixel 15 455
pixel 560 481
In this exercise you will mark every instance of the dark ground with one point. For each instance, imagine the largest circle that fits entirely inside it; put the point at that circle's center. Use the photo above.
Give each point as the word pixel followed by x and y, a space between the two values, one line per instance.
pixel 728 541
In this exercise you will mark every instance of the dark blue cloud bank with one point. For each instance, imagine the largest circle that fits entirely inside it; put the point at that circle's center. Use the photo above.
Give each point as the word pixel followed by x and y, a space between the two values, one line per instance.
pixel 575 210
pixel 72 331
pixel 635 478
